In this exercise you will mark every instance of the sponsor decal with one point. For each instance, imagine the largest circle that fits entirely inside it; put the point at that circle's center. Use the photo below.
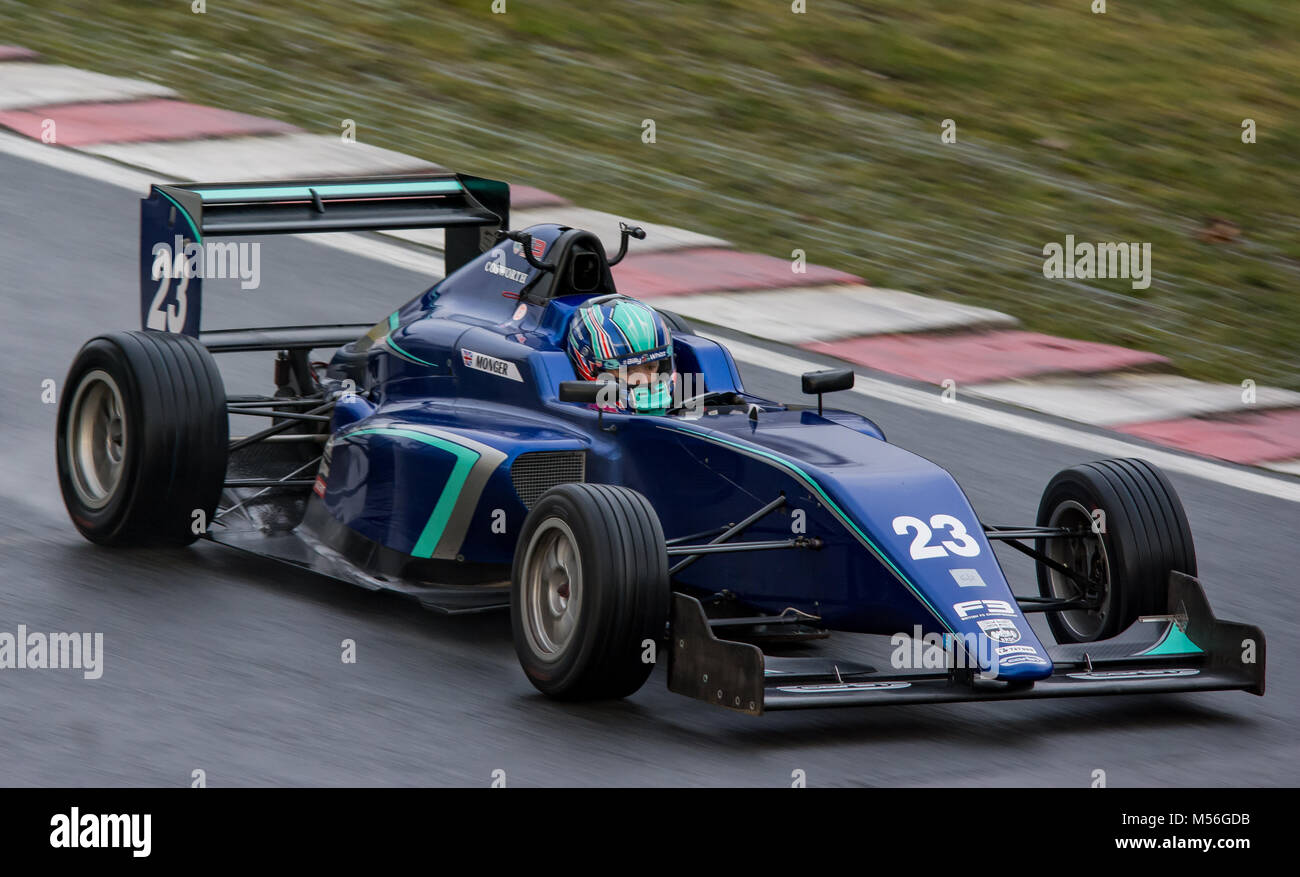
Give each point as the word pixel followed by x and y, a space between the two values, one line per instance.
pixel 641 359
pixel 497 265
pixel 1112 675
pixel 519 312
pixel 539 248
pixel 982 609
pixel 1016 650
pixel 1023 659
pixel 967 578
pixel 1002 630
pixel 324 472
pixel 502 368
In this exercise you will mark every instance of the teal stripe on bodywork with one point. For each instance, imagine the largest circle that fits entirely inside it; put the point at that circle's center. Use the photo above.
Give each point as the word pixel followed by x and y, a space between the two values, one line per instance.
pixel 832 505
pixel 465 460
pixel 331 190
pixel 198 238
pixel 392 321
pixel 1174 642
pixel 388 339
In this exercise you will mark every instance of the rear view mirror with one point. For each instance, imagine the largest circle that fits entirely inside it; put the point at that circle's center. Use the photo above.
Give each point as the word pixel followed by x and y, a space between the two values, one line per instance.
pixel 827 381
pixel 582 391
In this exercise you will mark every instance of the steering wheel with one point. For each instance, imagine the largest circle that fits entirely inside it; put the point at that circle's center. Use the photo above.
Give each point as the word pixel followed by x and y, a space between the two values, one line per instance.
pixel 720 397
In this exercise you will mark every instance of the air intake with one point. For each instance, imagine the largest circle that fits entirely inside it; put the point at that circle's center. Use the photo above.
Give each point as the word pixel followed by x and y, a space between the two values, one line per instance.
pixel 536 472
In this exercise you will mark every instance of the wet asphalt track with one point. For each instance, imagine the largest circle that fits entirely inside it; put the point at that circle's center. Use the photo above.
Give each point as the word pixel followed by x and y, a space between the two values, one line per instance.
pixel 223 662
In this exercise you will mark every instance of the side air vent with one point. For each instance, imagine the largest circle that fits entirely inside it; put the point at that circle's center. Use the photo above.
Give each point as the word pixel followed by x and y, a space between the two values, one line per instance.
pixel 536 472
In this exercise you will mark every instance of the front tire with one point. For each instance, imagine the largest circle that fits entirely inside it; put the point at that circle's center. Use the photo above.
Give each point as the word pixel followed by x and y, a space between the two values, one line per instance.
pixel 141 439
pixel 589 587
pixel 1145 536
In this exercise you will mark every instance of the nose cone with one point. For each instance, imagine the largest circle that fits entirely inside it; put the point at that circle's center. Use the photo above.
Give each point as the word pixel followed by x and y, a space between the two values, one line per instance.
pixel 996 636
pixel 1031 667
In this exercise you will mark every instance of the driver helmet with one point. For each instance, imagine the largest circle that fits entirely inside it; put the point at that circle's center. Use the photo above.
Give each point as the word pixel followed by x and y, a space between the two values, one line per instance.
pixel 618 338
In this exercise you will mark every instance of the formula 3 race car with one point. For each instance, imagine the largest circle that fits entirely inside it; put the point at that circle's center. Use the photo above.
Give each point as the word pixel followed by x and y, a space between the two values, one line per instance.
pixel 447 452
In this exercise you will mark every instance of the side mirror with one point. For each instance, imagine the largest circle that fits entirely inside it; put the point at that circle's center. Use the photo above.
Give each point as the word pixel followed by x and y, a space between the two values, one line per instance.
pixel 827 381
pixel 590 392
pixel 581 391
pixel 626 231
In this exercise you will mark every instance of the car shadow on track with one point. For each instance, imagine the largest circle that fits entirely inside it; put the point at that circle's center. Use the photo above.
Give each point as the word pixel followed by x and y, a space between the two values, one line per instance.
pixel 654 713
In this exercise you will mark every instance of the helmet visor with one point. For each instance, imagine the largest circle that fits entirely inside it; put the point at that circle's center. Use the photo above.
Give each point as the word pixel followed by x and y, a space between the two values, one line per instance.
pixel 646 379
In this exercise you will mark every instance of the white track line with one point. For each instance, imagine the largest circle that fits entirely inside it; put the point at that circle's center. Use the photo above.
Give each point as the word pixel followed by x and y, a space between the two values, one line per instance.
pixel 1061 433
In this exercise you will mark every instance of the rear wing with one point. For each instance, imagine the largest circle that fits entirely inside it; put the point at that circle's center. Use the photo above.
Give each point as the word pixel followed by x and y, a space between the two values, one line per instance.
pixel 177 221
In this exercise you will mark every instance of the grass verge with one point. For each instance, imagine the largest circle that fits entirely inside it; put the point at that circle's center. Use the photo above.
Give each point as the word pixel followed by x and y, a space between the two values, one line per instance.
pixel 820 131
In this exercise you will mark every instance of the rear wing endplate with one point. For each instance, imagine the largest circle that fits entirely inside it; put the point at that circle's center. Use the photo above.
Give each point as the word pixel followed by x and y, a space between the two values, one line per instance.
pixel 177 221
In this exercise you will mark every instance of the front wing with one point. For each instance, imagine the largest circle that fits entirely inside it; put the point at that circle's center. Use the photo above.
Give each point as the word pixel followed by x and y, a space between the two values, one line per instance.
pixel 1189 650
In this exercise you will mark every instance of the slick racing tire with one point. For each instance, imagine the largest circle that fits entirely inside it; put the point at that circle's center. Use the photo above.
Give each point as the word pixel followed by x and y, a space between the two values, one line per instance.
pixel 589 588
pixel 141 439
pixel 1136 534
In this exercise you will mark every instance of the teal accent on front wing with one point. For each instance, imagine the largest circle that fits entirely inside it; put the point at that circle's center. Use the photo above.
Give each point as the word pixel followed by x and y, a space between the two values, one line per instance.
pixel 442 510
pixel 811 483
pixel 331 190
pixel 1174 642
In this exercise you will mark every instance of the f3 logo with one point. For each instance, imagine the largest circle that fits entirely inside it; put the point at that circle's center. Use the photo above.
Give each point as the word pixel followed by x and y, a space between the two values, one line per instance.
pixel 980 608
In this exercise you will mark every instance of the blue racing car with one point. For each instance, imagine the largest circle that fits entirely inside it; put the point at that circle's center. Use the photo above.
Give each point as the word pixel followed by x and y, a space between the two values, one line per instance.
pixel 522 435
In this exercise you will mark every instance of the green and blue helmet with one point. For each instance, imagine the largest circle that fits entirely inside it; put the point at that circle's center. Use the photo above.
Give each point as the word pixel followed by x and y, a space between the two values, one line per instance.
pixel 612 333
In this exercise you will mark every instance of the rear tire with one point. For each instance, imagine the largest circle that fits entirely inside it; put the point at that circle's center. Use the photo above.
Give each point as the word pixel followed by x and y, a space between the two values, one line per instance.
pixel 141 439
pixel 1146 536
pixel 589 587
